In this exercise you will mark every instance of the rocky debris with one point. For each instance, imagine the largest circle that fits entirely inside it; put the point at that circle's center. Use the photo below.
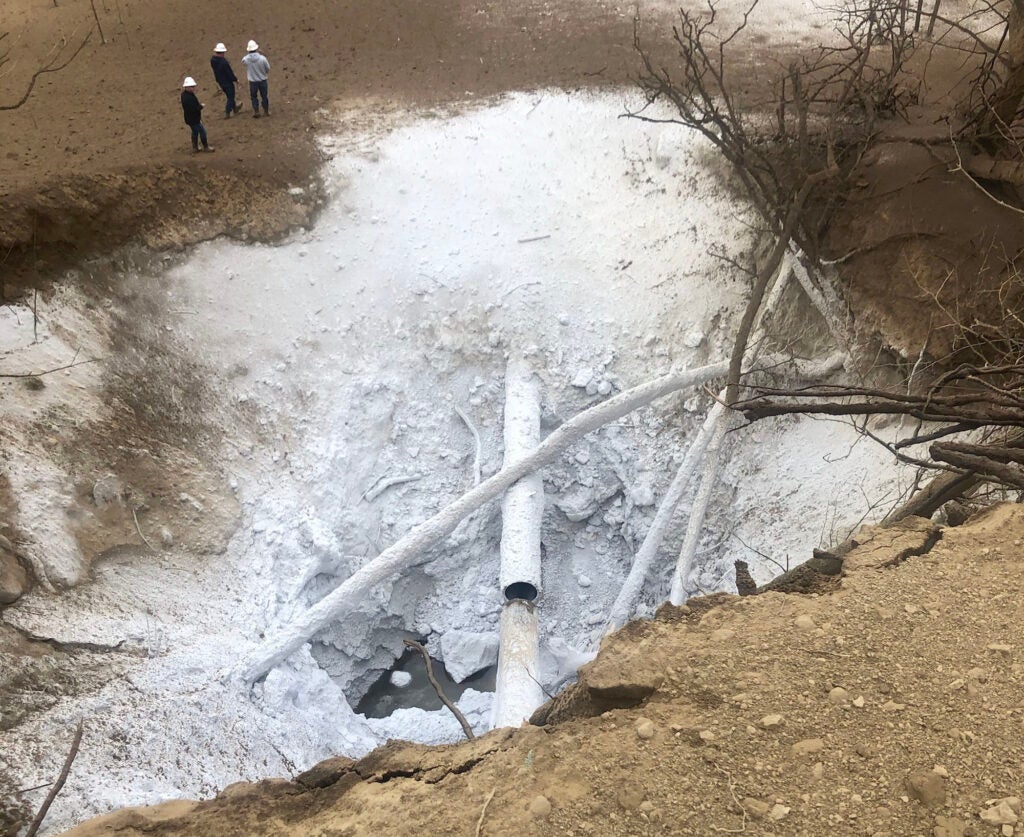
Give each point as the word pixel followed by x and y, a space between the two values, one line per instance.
pixel 838 696
pixel 779 811
pixel 927 787
pixel 949 827
pixel 539 807
pixel 1004 811
pixel 804 622
pixel 756 808
pixel 807 746
pixel 772 722
pixel 578 502
pixel 400 679
pixel 108 491
pixel 645 728
pixel 745 584
pixel 631 795
pixel 14 580
pixel 325 773
pixel 466 652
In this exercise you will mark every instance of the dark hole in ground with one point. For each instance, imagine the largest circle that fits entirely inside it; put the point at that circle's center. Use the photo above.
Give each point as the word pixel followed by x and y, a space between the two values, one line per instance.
pixel 383 697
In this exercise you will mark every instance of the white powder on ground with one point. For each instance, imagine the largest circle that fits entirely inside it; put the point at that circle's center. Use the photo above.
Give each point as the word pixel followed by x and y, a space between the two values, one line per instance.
pixel 542 224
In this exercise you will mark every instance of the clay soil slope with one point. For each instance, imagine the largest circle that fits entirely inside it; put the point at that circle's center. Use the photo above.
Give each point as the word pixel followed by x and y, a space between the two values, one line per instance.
pixel 890 706
pixel 98 154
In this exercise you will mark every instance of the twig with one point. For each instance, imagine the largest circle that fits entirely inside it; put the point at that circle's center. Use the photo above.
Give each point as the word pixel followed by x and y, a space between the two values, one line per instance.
pixel 517 287
pixel 732 792
pixel 138 529
pixel 483 811
pixel 539 684
pixel 97 17
pixel 380 487
pixel 71 365
pixel 52 795
pixel 49 68
pixel 960 168
pixel 479 446
pixel 530 240
pixel 34 788
pixel 466 728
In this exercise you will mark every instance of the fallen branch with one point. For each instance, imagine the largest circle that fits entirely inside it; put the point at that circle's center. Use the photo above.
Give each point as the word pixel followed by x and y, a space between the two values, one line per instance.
pixel 466 728
pixel 483 811
pixel 49 68
pixel 476 440
pixel 382 485
pixel 52 795
pixel 688 551
pixel 138 529
pixel 410 549
pixel 49 371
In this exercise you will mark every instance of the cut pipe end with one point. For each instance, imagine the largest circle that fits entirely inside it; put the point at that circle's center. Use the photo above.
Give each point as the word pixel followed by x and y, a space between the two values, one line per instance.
pixel 520 590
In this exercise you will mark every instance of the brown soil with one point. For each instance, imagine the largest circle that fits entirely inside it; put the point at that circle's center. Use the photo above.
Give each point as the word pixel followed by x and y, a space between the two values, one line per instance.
pixel 99 154
pixel 897 704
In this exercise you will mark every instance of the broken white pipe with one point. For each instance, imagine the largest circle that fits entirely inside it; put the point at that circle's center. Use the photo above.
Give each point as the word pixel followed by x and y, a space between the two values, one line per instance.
pixel 695 526
pixel 622 608
pixel 411 548
pixel 517 692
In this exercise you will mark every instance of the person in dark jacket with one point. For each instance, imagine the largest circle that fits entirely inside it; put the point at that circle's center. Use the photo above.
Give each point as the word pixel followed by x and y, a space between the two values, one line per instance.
pixel 193 110
pixel 225 77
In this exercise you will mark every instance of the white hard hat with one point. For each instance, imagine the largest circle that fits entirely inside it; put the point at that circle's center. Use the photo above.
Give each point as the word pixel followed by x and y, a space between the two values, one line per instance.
pixel 220 48
pixel 188 82
pixel 252 46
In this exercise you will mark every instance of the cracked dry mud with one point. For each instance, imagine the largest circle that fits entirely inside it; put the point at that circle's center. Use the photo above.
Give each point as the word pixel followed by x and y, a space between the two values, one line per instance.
pixel 891 706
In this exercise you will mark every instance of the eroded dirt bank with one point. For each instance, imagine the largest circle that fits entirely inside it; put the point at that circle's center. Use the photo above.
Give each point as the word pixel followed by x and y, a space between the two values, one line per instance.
pixel 98 155
pixel 892 706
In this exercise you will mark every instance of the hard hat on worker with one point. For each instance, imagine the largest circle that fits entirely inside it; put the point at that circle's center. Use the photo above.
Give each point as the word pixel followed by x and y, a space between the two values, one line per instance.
pixel 220 48
pixel 188 82
pixel 252 46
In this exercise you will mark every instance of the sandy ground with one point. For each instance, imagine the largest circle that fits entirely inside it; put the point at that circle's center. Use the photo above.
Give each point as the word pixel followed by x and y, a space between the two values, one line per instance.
pixel 890 707
pixel 98 155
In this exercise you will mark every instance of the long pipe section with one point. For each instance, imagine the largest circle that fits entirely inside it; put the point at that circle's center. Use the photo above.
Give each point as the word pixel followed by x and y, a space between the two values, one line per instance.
pixel 517 691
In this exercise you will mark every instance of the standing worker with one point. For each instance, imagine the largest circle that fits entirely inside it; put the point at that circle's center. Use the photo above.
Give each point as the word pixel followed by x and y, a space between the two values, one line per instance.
pixel 193 110
pixel 225 77
pixel 257 68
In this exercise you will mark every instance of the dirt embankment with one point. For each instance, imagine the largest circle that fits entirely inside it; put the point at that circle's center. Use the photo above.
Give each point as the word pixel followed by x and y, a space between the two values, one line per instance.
pixel 892 706
pixel 98 155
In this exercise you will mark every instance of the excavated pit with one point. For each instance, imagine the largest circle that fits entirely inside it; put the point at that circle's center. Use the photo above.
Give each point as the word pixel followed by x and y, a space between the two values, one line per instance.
pixel 345 375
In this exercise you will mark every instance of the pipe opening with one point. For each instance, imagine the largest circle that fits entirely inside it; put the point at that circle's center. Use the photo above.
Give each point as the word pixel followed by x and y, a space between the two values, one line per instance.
pixel 520 590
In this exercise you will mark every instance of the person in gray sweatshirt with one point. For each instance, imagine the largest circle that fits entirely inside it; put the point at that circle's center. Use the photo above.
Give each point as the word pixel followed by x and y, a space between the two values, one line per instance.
pixel 257 68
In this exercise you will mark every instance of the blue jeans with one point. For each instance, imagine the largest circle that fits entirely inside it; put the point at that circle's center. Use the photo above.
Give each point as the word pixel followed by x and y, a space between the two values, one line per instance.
pixel 229 91
pixel 198 133
pixel 261 88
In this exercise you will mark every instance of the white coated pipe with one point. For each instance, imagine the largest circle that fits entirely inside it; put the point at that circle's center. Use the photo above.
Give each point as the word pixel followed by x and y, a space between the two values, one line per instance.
pixel 522 507
pixel 517 692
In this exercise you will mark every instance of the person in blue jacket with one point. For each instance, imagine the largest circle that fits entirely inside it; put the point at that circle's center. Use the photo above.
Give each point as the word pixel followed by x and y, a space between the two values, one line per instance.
pixel 193 110
pixel 225 77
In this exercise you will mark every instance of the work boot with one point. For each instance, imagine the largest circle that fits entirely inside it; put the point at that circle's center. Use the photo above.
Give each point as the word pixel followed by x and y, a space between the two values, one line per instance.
pixel 256 114
pixel 238 110
pixel 266 111
pixel 207 148
pixel 195 149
